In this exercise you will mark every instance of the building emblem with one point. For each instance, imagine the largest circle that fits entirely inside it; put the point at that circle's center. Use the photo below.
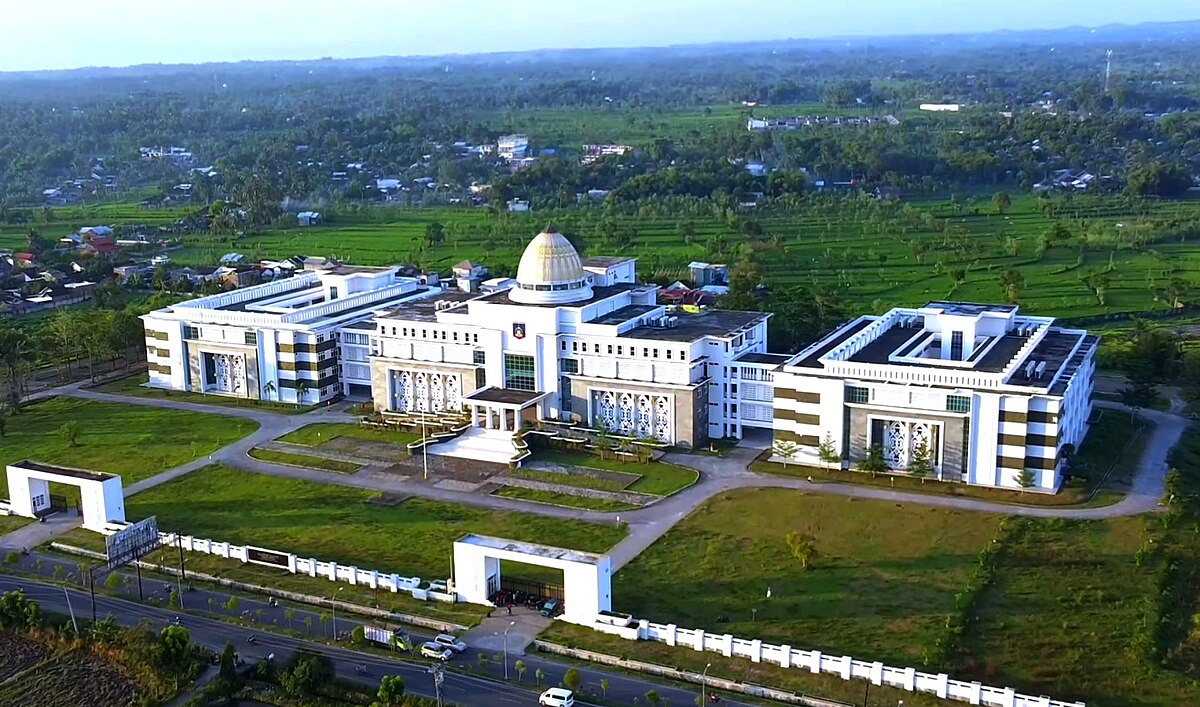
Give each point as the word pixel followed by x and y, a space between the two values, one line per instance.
pixel 518 330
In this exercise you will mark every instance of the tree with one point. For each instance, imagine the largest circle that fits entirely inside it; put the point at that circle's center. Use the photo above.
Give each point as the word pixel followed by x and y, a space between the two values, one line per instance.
pixel 539 676
pixel 16 611
pixel 1011 281
pixel 231 605
pixel 572 679
pixel 358 635
pixel 827 452
pixel 874 461
pixel 604 687
pixel 301 391
pixel 1001 201
pixel 229 665
pixel 652 697
pixel 920 462
pixel 16 354
pixel 785 450
pixel 520 667
pixel 69 432
pixel 391 691
pixel 174 647
pixel 803 547
pixel 62 328
pixel 269 390
pixel 435 234
pixel 1159 179
pixel 113 581
pixel 1140 393
pixel 305 673
pixel 289 615
pixel 308 622
pixel 1026 479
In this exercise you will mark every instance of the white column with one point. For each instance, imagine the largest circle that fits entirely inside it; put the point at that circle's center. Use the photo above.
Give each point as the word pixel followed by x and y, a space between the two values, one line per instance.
pixel 488 411
pixel 503 419
pixel 474 416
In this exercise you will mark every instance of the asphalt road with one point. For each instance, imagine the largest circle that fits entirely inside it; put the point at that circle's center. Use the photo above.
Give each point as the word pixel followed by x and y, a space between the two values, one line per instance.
pixel 258 617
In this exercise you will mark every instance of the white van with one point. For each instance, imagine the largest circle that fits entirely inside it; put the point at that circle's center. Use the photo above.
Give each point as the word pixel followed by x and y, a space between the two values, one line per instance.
pixel 557 697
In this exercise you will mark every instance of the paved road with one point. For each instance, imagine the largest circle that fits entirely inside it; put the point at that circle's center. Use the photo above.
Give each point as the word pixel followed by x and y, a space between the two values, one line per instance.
pixel 260 618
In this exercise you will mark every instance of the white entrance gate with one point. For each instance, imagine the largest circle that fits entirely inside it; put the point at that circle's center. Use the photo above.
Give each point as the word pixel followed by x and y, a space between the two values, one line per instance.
pixel 587 577
pixel 103 499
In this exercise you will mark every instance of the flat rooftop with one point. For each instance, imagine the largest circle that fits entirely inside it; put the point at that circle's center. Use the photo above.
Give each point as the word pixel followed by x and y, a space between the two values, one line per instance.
pixel 767 358
pixel 970 308
pixel 82 474
pixel 832 341
pixel 547 551
pixel 624 314
pixel 505 396
pixel 1054 349
pixel 598 293
pixel 603 261
pixel 713 322
pixel 426 308
pixel 354 270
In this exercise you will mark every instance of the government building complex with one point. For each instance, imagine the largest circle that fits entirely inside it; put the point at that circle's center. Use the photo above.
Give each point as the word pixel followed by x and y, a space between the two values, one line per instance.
pixel 983 390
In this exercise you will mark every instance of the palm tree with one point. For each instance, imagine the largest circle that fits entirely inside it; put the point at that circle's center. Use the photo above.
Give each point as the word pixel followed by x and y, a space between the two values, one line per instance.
pixel 301 390
pixel 269 389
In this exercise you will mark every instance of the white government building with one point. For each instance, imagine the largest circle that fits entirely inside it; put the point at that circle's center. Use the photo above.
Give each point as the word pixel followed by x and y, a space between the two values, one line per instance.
pixel 987 391
pixel 580 340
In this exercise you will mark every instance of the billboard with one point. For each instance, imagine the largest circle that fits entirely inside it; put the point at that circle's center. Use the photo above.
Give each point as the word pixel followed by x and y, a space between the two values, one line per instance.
pixel 270 558
pixel 132 542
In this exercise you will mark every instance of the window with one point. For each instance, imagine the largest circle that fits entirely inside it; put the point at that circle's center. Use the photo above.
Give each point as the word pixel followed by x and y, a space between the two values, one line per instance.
pixel 669 352
pixel 958 403
pixel 855 394
pixel 655 353
pixel 596 348
pixel 575 346
pixel 620 350
pixel 251 339
pixel 519 372
pixel 480 378
pixel 956 345
pixel 480 357
pixel 333 293
pixel 456 337
pixel 562 346
pixel 569 365
pixel 564 394
pixel 645 353
pixel 610 349
pixel 191 332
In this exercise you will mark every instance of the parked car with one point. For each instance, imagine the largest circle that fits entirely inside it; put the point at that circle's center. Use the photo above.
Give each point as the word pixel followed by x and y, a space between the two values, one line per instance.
pixel 448 641
pixel 557 697
pixel 435 651
pixel 551 608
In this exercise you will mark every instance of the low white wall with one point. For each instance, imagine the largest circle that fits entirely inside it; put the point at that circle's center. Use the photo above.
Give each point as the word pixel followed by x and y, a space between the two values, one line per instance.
pixel 844 666
pixel 437 590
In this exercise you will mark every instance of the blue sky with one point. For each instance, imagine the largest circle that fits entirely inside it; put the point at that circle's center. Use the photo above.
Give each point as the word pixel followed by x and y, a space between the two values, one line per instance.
pixel 73 33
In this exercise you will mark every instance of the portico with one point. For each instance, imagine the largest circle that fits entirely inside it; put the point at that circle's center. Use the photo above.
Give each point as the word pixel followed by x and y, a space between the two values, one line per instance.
pixel 503 409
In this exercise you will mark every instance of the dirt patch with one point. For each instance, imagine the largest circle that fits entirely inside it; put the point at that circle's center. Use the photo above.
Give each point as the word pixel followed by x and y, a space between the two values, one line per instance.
pixel 76 679
pixel 18 653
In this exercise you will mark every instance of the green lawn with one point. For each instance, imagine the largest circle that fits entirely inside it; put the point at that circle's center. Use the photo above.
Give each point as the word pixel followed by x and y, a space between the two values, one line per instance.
pixel 1063 614
pixel 133 385
pixel 11 523
pixel 134 441
pixel 339 523
pixel 271 455
pixel 880 589
pixel 599 483
pixel 563 499
pixel 657 478
pixel 319 433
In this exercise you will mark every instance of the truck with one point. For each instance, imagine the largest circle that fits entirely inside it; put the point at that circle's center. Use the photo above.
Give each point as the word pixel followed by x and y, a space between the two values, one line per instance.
pixel 395 638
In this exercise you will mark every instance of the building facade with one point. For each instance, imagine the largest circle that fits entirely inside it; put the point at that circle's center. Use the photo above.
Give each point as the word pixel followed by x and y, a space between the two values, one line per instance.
pixel 988 394
pixel 278 341
pixel 572 340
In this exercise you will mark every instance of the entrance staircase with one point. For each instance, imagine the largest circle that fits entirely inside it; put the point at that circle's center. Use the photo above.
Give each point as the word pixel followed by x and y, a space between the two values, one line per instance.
pixel 480 444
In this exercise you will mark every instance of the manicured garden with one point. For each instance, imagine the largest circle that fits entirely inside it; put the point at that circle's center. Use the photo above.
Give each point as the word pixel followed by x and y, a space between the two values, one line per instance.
pixel 135 385
pixel 347 525
pixel 303 460
pixel 656 478
pixel 320 433
pixel 134 441
pixel 563 499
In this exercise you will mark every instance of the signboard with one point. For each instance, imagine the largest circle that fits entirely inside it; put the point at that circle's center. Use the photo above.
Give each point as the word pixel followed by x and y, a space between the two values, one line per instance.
pixel 518 330
pixel 270 558
pixel 132 542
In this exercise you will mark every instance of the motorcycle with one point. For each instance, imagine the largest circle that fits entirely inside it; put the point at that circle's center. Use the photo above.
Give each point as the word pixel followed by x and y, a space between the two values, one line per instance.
pixel 251 640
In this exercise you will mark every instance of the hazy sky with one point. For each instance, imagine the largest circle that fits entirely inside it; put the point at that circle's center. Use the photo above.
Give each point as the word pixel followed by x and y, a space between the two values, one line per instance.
pixel 73 33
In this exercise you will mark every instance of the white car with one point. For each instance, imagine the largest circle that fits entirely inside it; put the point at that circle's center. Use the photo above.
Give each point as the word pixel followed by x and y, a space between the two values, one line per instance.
pixel 445 639
pixel 557 697
pixel 435 651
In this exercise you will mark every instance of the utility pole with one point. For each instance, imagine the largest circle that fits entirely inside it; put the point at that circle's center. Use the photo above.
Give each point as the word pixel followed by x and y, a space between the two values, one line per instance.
pixel 137 563
pixel 74 624
pixel 424 447
pixel 437 683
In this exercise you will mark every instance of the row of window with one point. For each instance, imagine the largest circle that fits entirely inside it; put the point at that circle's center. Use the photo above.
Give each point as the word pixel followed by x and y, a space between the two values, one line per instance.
pixel 954 403
pixel 438 335
pixel 555 288
pixel 519 372
pixel 647 351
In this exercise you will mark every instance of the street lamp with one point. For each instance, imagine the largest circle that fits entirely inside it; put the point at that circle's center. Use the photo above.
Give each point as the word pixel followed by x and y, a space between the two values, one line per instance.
pixel 333 605
pixel 703 675
pixel 510 625
pixel 424 448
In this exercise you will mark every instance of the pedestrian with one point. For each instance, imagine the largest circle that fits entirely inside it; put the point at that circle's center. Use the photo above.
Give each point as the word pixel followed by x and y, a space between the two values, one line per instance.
pixel 510 609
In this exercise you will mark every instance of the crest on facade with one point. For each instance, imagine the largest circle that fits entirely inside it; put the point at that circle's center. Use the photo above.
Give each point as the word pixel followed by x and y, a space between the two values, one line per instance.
pixel 518 330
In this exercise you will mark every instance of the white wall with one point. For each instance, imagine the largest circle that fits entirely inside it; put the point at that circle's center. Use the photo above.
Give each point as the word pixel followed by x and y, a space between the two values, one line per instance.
pixel 103 502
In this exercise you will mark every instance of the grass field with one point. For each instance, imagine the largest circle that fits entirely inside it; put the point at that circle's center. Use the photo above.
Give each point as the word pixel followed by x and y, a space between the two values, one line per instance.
pixel 320 433
pixel 131 440
pixel 412 537
pixel 305 460
pixel 563 499
pixel 657 478
pixel 11 523
pixel 133 385
pixel 881 588
pixel 1062 615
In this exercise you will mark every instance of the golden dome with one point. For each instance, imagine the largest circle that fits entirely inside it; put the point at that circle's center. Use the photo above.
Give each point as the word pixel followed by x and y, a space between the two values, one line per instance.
pixel 550 272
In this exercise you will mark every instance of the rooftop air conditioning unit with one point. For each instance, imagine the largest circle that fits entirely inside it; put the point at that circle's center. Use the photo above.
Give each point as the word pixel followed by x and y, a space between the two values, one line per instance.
pixel 1041 369
pixel 1029 368
pixel 673 321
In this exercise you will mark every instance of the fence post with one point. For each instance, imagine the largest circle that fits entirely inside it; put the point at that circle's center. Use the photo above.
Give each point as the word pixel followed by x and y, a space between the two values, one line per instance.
pixel 814 664
pixel 943 681
pixel 785 656
pixel 727 645
pixel 910 679
pixel 312 567
pixel 847 667
pixel 669 634
pixel 756 651
pixel 877 673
